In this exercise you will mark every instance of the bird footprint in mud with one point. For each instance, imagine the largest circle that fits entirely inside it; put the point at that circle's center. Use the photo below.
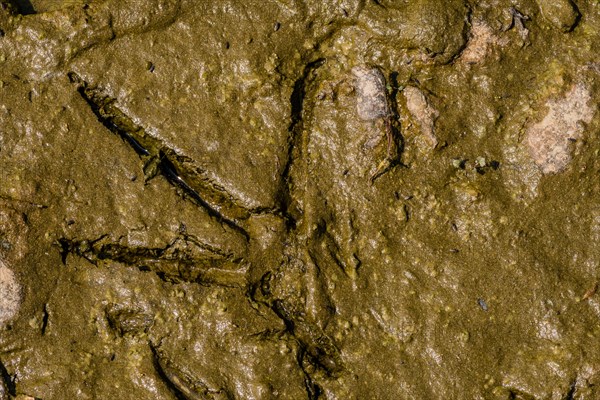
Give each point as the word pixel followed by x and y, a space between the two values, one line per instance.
pixel 373 105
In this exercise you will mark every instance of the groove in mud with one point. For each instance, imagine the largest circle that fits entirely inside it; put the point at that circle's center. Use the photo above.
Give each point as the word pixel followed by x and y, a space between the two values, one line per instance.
pixel 313 390
pixel 165 376
pixel 173 263
pixel 7 383
pixel 297 100
pixel 180 171
pixel 182 385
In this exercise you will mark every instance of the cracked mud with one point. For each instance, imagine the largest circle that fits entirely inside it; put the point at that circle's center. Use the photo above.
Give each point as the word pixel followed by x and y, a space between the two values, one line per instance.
pixel 332 199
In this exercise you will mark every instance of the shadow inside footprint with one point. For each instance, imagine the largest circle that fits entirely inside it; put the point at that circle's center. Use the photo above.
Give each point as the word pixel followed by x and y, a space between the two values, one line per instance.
pixel 23 7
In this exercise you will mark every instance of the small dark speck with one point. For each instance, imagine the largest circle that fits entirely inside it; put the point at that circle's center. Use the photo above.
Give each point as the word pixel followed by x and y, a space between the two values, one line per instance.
pixel 482 304
pixel 227 45
pixel 182 228
pixel 572 140
pixel 276 26
pixel 150 66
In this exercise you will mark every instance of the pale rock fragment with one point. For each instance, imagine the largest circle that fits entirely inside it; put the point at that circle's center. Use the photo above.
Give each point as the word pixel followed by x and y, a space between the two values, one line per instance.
pixel 422 112
pixel 10 294
pixel 549 140
pixel 481 42
pixel 371 102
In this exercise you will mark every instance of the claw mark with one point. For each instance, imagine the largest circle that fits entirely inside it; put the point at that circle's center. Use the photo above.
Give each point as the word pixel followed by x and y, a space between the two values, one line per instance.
pixel 313 390
pixel 45 317
pixel 572 389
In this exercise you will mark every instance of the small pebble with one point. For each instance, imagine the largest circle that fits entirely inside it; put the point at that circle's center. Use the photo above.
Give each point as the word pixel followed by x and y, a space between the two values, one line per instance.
pixel 371 100
pixel 482 304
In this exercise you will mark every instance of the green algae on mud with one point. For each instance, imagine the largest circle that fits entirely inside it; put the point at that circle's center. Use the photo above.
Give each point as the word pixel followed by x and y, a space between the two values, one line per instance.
pixel 187 208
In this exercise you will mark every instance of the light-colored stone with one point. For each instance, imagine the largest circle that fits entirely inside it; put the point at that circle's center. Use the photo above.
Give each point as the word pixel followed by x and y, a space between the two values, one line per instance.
pixel 549 139
pixel 371 102
pixel 422 112
pixel 481 42
pixel 10 294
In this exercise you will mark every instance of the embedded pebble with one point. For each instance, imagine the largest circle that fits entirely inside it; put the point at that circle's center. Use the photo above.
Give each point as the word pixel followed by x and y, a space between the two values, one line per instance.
pixel 549 140
pixel 422 112
pixel 371 101
pixel 10 294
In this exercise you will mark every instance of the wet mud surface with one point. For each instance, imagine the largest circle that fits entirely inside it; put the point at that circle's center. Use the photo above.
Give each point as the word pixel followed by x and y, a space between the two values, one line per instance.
pixel 340 199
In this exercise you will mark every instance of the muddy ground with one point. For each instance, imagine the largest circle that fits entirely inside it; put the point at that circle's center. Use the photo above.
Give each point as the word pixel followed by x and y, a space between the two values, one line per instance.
pixel 298 199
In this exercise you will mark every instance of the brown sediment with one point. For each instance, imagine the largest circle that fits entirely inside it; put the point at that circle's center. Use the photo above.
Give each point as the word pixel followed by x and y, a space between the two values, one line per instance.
pixel 186 210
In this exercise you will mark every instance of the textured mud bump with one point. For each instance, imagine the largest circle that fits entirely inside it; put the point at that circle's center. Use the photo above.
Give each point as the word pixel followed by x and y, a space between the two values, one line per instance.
pixel 561 14
pixel 550 140
pixel 10 294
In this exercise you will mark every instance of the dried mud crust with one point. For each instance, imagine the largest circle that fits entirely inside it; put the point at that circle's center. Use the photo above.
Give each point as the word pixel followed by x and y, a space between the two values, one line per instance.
pixel 299 200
